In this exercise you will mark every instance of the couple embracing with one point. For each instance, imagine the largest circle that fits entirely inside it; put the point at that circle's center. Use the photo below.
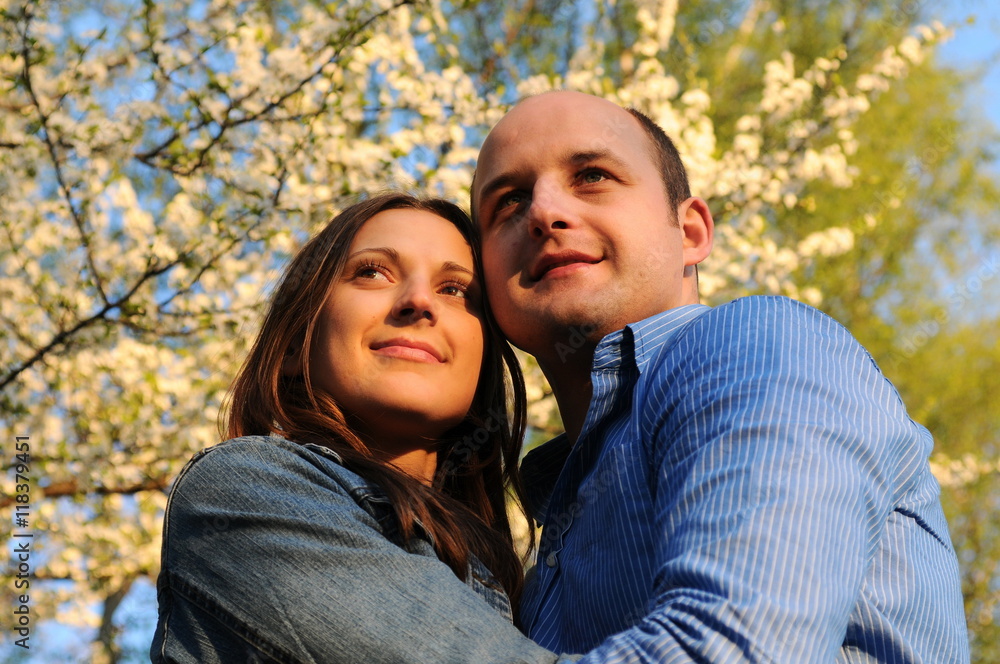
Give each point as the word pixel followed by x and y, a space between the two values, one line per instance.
pixel 735 484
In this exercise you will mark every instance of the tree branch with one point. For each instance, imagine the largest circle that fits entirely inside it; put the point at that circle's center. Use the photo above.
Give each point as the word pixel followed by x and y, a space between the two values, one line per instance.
pixel 106 634
pixel 57 164
pixel 65 336
pixel 753 14
pixel 148 156
pixel 71 487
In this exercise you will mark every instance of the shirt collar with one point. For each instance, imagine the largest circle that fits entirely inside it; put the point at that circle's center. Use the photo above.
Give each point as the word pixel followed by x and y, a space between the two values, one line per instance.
pixel 637 342
pixel 632 346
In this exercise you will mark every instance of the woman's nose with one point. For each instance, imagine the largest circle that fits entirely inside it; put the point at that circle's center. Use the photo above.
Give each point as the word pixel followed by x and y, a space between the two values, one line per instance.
pixel 415 302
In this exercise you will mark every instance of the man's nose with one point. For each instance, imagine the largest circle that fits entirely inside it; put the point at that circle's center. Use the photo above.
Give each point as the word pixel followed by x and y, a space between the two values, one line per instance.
pixel 550 210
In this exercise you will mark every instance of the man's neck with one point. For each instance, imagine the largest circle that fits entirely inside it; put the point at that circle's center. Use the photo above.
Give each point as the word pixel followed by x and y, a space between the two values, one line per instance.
pixel 573 389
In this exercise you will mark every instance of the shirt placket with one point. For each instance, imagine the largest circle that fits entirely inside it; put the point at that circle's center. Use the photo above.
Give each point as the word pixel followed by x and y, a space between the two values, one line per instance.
pixel 560 515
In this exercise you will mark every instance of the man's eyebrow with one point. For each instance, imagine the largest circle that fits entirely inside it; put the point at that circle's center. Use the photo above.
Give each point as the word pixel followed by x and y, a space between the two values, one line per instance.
pixel 575 158
pixel 499 182
pixel 595 155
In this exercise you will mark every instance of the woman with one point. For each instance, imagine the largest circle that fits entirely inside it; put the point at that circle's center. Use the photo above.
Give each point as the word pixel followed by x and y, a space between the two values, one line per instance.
pixel 358 514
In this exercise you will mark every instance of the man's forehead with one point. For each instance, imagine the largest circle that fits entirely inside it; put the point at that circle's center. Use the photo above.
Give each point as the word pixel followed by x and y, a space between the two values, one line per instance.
pixel 566 124
pixel 553 110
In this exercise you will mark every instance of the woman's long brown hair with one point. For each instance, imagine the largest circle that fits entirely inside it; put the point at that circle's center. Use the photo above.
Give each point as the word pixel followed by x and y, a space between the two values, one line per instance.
pixel 465 509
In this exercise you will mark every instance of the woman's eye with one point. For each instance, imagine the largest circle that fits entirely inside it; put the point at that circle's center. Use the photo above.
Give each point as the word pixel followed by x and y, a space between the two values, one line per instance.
pixel 370 271
pixel 456 290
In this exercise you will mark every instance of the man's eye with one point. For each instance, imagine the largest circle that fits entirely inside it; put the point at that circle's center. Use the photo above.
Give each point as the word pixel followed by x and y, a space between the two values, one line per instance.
pixel 593 176
pixel 510 198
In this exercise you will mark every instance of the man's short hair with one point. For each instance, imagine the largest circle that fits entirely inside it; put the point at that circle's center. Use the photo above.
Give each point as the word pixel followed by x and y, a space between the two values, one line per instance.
pixel 672 171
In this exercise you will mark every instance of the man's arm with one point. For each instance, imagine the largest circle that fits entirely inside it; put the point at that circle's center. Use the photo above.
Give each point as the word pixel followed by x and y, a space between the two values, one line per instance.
pixel 779 451
pixel 263 546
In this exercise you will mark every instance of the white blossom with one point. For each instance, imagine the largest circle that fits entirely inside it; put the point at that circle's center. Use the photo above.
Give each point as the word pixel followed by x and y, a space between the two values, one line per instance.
pixel 182 200
pixel 828 242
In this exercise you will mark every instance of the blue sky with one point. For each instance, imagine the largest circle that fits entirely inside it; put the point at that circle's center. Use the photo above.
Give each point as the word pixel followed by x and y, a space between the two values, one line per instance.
pixel 976 44
pixel 975 47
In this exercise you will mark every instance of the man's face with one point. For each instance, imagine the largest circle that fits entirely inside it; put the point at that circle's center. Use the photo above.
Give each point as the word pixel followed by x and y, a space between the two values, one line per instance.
pixel 578 236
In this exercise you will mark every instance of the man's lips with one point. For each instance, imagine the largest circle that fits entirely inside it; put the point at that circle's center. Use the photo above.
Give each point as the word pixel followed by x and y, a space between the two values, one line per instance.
pixel 408 349
pixel 550 262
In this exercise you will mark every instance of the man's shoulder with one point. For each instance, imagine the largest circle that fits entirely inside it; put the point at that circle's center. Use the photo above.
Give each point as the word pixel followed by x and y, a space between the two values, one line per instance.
pixel 765 311
pixel 760 334
pixel 754 319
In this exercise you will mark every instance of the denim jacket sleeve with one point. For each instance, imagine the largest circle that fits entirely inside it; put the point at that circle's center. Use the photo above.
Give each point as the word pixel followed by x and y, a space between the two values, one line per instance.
pixel 267 557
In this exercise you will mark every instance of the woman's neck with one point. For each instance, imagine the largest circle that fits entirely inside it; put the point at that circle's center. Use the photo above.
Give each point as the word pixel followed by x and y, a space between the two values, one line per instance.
pixel 410 452
pixel 419 463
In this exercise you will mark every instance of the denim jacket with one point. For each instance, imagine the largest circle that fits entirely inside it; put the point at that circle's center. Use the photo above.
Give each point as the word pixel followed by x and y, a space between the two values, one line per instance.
pixel 274 552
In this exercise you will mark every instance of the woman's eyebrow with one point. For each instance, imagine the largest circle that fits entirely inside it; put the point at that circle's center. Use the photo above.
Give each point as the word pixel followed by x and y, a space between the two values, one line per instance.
pixel 393 255
pixel 388 252
pixel 451 266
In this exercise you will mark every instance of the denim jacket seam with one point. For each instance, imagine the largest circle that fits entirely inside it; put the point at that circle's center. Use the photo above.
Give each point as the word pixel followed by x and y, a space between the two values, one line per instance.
pixel 173 489
pixel 373 500
pixel 205 602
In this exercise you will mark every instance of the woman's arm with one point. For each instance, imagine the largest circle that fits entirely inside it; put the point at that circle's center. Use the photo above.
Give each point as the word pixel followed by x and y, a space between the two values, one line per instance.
pixel 265 554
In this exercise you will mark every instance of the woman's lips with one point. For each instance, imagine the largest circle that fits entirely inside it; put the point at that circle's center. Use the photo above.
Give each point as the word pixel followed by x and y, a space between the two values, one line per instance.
pixel 408 349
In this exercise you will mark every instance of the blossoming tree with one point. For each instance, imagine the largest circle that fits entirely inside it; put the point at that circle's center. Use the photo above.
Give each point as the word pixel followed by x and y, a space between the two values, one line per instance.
pixel 162 160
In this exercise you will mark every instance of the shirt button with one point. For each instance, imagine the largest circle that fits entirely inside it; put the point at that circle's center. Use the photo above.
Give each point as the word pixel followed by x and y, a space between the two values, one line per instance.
pixel 550 560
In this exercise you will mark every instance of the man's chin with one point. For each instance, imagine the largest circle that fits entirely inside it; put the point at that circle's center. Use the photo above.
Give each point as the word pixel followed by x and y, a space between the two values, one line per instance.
pixel 543 331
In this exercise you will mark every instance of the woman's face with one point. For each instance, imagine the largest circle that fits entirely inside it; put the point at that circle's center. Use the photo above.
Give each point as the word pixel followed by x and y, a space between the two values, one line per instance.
pixel 399 341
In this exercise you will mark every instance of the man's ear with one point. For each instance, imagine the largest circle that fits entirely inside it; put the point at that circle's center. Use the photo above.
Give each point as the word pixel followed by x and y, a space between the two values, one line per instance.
pixel 291 364
pixel 696 223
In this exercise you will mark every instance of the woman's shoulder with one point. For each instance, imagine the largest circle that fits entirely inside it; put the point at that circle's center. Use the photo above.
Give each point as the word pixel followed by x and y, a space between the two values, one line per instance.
pixel 271 479
pixel 249 452
pixel 255 464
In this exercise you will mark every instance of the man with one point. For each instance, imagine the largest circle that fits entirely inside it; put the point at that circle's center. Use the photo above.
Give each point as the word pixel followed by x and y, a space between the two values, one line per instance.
pixel 736 484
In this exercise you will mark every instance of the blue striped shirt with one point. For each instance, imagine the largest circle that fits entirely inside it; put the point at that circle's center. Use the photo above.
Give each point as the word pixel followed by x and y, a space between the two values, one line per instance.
pixel 747 487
